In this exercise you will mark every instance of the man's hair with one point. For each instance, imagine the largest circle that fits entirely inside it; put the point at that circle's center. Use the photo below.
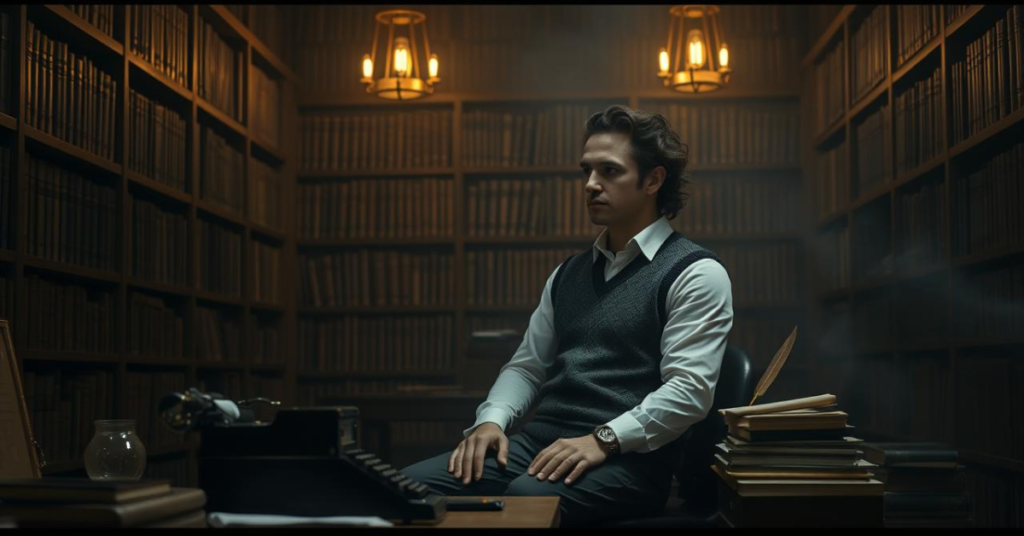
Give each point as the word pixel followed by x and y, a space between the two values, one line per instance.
pixel 654 144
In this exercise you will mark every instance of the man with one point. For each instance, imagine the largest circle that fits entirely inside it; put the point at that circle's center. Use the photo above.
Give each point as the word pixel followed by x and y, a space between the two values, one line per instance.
pixel 624 349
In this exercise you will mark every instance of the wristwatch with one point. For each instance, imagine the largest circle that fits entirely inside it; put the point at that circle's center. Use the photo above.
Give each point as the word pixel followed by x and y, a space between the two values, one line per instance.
pixel 606 439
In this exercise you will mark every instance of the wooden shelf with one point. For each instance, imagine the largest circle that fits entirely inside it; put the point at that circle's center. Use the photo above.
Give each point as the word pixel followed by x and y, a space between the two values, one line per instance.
pixel 376 310
pixel 373 242
pixel 374 374
pixel 223 299
pixel 68 357
pixel 920 171
pixel 530 241
pixel 521 170
pixel 743 237
pixel 274 234
pixel 917 58
pixel 258 46
pixel 838 126
pixel 159 187
pixel 829 219
pixel 219 365
pixel 224 119
pixel 8 122
pixel 72 270
pixel 876 193
pixel 268 368
pixel 880 88
pixel 988 256
pixel 183 292
pixel 965 17
pixel 139 360
pixel 964 147
pixel 513 309
pixel 260 306
pixel 834 28
pixel 81 155
pixel 266 148
pixel 90 33
pixel 184 94
pixel 759 168
pixel 221 212
pixel 366 173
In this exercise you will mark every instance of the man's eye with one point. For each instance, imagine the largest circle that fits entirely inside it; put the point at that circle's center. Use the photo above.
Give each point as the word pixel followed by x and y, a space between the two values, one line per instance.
pixel 610 170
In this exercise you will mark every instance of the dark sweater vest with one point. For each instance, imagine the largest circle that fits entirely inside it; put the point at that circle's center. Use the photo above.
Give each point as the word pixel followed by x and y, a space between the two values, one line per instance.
pixel 609 338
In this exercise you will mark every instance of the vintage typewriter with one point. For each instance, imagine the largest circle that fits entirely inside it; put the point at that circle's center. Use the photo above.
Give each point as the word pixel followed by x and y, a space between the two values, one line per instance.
pixel 304 463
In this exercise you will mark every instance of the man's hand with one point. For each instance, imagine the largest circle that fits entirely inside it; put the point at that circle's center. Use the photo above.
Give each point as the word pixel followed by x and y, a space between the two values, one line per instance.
pixel 467 459
pixel 577 455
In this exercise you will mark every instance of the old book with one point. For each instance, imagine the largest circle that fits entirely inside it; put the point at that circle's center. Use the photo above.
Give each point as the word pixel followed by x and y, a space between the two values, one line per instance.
pixel 80 490
pixel 924 454
pixel 756 487
pixel 758 436
pixel 128 514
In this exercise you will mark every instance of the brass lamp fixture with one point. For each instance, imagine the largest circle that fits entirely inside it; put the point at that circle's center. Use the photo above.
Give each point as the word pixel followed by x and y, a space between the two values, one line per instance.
pixel 401 78
pixel 693 32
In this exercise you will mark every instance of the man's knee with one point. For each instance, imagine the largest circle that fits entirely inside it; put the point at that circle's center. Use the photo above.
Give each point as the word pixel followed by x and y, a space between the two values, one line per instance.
pixel 528 486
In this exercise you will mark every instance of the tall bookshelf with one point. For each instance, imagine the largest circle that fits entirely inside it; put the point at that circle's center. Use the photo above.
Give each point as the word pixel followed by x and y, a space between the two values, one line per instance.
pixel 513 147
pixel 127 321
pixel 916 239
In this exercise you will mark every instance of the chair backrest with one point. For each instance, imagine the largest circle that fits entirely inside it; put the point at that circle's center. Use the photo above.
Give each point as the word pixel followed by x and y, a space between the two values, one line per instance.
pixel 735 388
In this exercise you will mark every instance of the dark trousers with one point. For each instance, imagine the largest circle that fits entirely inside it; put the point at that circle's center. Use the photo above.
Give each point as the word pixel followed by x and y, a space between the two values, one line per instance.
pixel 626 485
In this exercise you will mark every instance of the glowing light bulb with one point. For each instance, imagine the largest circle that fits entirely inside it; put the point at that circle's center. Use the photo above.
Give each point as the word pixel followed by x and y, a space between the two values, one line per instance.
pixel 723 57
pixel 401 56
pixel 695 49
pixel 367 66
pixel 433 65
pixel 663 60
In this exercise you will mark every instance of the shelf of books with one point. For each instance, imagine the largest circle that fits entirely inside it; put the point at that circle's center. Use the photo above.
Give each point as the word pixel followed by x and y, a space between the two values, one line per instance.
pixel 450 213
pixel 142 239
pixel 916 257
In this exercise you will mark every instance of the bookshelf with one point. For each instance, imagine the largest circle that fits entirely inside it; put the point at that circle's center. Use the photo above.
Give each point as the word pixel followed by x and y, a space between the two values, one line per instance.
pixel 118 311
pixel 914 273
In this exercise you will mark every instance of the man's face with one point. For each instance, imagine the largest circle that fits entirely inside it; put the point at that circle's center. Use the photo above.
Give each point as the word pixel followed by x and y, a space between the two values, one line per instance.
pixel 611 175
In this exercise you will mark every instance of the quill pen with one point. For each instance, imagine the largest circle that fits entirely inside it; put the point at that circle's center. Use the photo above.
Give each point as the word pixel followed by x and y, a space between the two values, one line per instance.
pixel 773 368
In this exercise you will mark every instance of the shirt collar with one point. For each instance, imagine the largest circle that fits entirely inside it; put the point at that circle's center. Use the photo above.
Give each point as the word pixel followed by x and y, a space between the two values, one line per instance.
pixel 649 240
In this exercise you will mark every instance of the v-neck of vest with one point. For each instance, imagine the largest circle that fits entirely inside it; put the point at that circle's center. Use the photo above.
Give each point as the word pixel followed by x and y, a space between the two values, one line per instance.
pixel 602 287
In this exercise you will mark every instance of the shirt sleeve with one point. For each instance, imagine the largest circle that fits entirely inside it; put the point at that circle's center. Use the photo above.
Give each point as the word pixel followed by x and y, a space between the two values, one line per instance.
pixel 700 315
pixel 520 379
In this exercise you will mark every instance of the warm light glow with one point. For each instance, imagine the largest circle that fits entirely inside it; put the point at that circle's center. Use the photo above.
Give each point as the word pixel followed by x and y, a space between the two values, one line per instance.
pixel 401 56
pixel 723 57
pixel 663 60
pixel 433 65
pixel 367 66
pixel 695 48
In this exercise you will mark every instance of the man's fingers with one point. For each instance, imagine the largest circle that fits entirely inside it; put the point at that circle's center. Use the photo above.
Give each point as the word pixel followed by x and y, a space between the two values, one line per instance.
pixel 451 459
pixel 457 464
pixel 580 467
pixel 478 459
pixel 467 462
pixel 562 468
pixel 553 464
pixel 537 462
pixel 503 451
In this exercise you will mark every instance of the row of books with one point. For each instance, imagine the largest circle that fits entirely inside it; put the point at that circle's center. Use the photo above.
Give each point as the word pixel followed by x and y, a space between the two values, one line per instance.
pixel 763 272
pixel 757 61
pixel 544 206
pixel 159 35
pixel 68 317
pixel 320 24
pixel 221 170
pixel 916 26
pixel 159 243
pixel 266 273
pixel 377 208
pixel 377 344
pixel 265 194
pixel 742 133
pixel 544 136
pixel 99 15
pixel 367 278
pixel 266 342
pixel 222 250
pixel 921 225
pixel 873 135
pixel 361 140
pixel 832 259
pixel 511 277
pixel 829 74
pixel 155 328
pixel 7 202
pixel 225 382
pixel 63 405
pixel 218 335
pixel 157 141
pixel 984 301
pixel 69 96
pixel 221 72
pixel 925 486
pixel 71 217
pixel 742 204
pixel 987 83
pixel 266 107
pixel 142 393
pixel 871 244
pixel 269 23
pixel 868 64
pixel 918 123
pixel 6 65
pixel 987 203
pixel 830 179
pixel 954 11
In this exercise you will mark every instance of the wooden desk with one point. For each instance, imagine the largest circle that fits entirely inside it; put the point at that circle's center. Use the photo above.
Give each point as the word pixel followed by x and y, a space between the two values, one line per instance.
pixel 519 512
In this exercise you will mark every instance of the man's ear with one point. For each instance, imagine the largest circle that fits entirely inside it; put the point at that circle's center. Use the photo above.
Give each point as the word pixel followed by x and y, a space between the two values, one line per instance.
pixel 654 180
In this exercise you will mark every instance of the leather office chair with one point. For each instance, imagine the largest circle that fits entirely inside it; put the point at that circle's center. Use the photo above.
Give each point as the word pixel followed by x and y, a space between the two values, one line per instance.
pixel 697 503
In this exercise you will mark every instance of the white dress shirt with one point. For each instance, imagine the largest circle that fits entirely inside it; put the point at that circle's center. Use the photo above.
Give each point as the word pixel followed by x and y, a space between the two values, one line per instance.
pixel 699 316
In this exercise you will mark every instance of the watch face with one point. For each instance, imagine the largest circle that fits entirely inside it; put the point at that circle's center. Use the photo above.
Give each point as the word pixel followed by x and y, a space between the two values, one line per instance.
pixel 606 434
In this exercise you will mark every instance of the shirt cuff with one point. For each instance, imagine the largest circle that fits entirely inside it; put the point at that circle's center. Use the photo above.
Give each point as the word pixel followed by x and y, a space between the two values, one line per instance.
pixel 630 433
pixel 494 415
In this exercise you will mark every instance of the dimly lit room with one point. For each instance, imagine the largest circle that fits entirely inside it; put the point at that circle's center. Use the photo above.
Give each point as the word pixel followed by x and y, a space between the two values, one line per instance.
pixel 511 266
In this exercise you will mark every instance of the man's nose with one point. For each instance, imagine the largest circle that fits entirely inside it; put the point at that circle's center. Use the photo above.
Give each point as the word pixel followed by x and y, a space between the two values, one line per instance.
pixel 592 184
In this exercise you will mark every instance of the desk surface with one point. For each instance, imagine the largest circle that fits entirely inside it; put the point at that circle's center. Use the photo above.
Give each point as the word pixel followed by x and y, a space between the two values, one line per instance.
pixel 519 512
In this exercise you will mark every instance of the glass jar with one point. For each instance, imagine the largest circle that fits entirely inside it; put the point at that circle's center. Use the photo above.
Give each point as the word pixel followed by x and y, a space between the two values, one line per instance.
pixel 115 452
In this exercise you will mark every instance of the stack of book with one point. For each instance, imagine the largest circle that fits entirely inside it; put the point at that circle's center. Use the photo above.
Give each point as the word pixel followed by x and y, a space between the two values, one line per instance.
pixel 79 502
pixel 794 463
pixel 924 484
